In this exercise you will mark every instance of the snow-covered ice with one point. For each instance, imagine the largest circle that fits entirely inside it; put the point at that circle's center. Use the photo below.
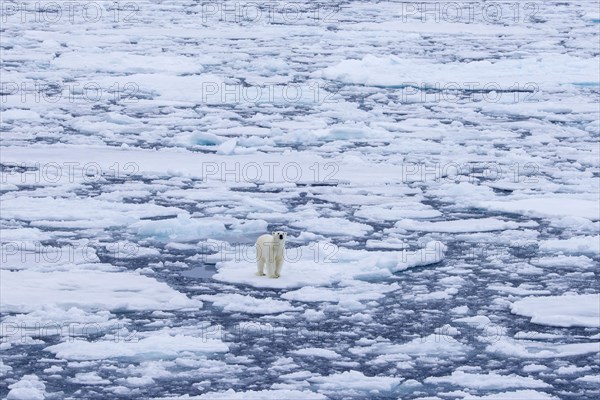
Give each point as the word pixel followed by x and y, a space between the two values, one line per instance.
pixel 26 291
pixel 488 381
pixel 566 310
pixel 435 165
pixel 158 345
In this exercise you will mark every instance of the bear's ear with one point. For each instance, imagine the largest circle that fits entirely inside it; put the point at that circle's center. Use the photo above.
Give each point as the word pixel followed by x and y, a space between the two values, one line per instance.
pixel 273 233
pixel 284 233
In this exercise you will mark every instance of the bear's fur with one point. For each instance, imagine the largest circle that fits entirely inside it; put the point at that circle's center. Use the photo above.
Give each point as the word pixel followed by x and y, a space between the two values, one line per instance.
pixel 270 251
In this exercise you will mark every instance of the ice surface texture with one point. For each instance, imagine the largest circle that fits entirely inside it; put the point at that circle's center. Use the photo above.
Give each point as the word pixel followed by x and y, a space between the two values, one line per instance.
pixel 437 174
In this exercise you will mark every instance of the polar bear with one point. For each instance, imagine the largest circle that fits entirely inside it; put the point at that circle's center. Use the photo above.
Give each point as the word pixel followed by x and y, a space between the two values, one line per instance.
pixel 270 251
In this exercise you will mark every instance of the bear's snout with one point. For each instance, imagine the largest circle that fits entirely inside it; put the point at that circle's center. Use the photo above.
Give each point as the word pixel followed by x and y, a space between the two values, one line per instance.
pixel 280 236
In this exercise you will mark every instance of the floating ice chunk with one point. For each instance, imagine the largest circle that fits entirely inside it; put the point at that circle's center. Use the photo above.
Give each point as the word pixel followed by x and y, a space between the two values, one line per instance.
pixel 344 132
pixel 433 252
pixel 51 320
pixel 14 114
pixel 410 210
pixel 298 375
pixel 138 381
pixel 181 229
pixel 573 262
pixel 28 291
pixel 20 255
pixel 120 119
pixel 249 226
pixel 30 387
pixel 393 71
pixel 594 126
pixel 452 281
pixel 354 290
pixel 505 237
pixel 461 310
pixel 458 226
pixel 591 379
pixel 447 330
pixel 371 196
pixel 462 192
pixel 24 234
pixel 104 126
pixel 333 226
pixel 214 192
pixel 576 244
pixel 125 62
pixel 489 381
pixel 227 147
pixel 565 311
pixel 232 302
pixel 269 65
pixel 322 263
pixel 521 290
pixel 4 369
pixel 355 380
pixel 184 228
pixel 477 321
pixel 198 139
pixel 87 212
pixel 572 369
pixel 391 243
pixel 255 395
pixel 547 206
pixel 89 378
pixel 170 89
pixel 313 315
pixel 432 296
pixel 534 368
pixel 517 394
pixel 161 345
pixel 576 223
pixel 7 187
pixel 317 352
pixel 433 345
pixel 533 349
pixel 128 250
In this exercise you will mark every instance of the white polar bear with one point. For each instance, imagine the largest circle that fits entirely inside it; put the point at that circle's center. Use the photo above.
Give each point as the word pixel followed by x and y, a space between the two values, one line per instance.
pixel 270 250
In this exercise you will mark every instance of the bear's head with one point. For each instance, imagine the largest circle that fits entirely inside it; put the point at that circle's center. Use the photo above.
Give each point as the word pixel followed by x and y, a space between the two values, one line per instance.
pixel 279 236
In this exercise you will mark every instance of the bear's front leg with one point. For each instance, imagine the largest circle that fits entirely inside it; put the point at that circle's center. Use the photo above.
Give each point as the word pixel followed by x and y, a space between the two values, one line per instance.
pixel 278 266
pixel 271 268
pixel 260 266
